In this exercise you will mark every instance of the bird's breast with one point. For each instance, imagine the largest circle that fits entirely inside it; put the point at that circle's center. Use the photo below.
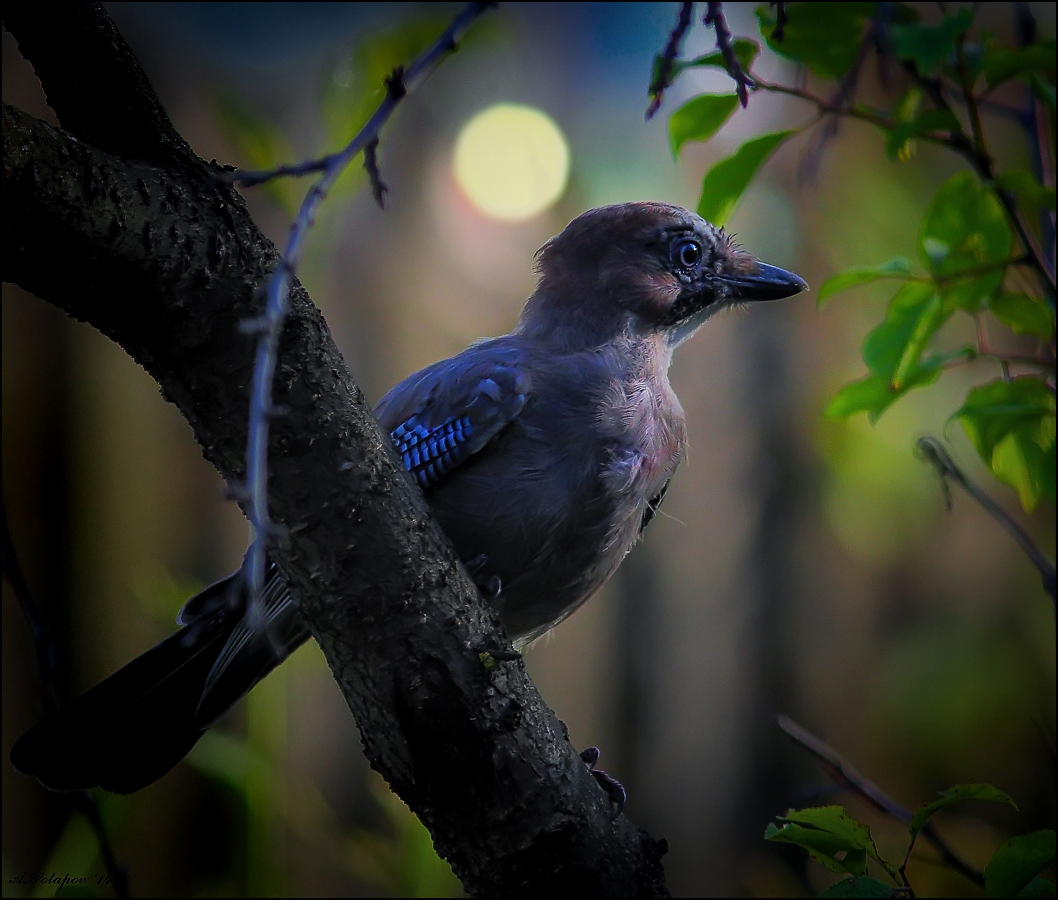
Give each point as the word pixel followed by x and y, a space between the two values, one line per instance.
pixel 641 420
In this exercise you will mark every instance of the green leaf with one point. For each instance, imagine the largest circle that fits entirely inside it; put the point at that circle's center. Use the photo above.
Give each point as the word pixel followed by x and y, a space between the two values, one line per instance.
pixel 859 887
pixel 899 267
pixel 1024 184
pixel 1023 314
pixel 965 231
pixel 1017 862
pixel 1025 465
pixel 912 311
pixel 899 140
pixel 699 119
pixel 893 352
pixel 871 395
pixel 1012 426
pixel 1002 63
pixel 928 46
pixel 956 794
pixel 932 315
pixel 824 36
pixel 745 52
pixel 725 182
pixel 832 837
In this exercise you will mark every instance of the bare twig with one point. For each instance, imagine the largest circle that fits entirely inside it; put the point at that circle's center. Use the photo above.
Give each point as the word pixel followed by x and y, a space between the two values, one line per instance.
pixel 663 79
pixel 825 107
pixel 932 451
pixel 47 668
pixel 842 771
pixel 841 101
pixel 970 99
pixel 254 177
pixel 270 324
pixel 378 186
pixel 715 17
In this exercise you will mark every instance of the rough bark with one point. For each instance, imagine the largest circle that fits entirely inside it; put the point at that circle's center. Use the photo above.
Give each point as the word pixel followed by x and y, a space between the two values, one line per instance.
pixel 115 220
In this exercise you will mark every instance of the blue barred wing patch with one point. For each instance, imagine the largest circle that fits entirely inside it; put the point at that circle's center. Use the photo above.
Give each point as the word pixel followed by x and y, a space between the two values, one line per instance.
pixel 439 418
pixel 431 453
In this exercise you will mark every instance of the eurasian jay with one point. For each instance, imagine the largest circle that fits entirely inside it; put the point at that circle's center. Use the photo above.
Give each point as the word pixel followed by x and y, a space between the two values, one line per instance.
pixel 543 454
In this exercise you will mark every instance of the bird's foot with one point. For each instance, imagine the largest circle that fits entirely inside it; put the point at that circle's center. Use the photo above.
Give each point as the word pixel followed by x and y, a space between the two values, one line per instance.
pixel 614 789
pixel 489 585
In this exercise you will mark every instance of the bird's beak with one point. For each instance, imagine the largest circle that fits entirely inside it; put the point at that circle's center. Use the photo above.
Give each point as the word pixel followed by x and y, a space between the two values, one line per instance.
pixel 766 283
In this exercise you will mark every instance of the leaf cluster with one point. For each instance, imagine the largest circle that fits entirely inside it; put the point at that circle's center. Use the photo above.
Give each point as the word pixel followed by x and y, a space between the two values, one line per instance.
pixel 978 257
pixel 841 844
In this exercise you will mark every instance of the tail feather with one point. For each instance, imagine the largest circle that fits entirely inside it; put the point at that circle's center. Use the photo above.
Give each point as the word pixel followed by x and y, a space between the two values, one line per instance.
pixel 132 728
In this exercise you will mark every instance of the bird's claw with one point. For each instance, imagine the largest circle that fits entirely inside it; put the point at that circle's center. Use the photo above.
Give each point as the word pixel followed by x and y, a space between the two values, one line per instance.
pixel 489 585
pixel 614 789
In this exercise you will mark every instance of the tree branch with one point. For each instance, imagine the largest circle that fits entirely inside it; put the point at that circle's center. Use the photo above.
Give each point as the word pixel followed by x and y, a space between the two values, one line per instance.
pixel 166 261
pixel 93 81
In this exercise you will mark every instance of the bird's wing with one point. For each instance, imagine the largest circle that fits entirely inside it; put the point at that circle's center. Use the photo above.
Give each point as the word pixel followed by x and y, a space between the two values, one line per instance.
pixel 443 415
pixel 437 418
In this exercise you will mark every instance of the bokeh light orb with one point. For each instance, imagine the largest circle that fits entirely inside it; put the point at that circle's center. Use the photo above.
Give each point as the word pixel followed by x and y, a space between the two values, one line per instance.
pixel 512 161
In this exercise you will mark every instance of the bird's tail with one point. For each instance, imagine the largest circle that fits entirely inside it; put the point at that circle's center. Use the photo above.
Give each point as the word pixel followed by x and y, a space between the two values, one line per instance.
pixel 132 728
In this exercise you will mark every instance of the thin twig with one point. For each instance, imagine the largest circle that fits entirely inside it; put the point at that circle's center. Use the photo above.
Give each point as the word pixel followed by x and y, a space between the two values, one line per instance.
pixel 970 99
pixel 270 324
pixel 47 680
pixel 254 177
pixel 663 80
pixel 932 451
pixel 715 16
pixel 842 771
pixel 378 186
pixel 824 107
pixel 842 100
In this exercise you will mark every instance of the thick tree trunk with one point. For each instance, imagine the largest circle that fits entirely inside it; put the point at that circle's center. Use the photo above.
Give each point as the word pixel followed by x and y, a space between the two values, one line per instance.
pixel 115 220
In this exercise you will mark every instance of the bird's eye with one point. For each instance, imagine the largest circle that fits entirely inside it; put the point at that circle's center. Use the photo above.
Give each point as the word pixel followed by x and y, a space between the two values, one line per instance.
pixel 686 254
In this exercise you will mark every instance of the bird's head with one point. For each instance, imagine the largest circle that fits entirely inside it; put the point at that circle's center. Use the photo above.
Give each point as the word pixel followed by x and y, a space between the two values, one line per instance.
pixel 642 268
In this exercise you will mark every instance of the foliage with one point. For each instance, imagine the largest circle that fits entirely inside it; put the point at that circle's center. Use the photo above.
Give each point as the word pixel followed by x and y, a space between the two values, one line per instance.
pixel 842 844
pixel 978 259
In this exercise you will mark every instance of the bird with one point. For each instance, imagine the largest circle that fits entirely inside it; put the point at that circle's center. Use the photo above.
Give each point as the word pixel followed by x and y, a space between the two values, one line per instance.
pixel 543 454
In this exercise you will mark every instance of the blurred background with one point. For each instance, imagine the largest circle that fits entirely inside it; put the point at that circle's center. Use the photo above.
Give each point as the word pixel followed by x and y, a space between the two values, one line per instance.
pixel 799 565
